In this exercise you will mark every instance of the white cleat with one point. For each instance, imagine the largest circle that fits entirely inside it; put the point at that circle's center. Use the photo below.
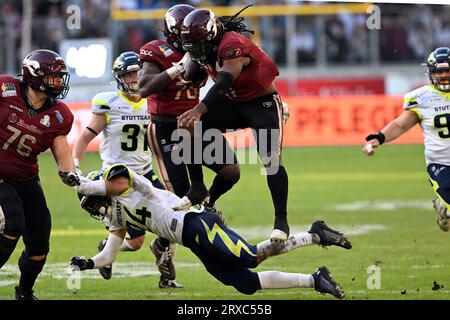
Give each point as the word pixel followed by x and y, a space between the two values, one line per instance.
pixel 183 205
pixel 278 236
pixel 443 216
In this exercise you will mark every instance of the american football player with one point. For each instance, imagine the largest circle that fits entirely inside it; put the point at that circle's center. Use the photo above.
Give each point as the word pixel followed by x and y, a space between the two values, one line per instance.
pixel 169 96
pixel 120 197
pixel 243 96
pixel 122 117
pixel 428 106
pixel 33 119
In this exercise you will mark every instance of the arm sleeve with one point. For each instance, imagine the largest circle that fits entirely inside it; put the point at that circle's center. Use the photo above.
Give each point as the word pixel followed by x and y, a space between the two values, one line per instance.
pixel 109 252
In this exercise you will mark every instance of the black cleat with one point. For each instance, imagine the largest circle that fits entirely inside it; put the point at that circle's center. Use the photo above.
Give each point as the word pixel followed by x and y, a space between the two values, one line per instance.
pixel 198 194
pixel 328 236
pixel 324 283
pixel 24 295
pixel 165 266
pixel 105 272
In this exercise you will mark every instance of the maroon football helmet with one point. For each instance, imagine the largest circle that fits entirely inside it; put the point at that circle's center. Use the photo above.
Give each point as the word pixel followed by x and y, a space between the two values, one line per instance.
pixel 201 32
pixel 172 24
pixel 45 70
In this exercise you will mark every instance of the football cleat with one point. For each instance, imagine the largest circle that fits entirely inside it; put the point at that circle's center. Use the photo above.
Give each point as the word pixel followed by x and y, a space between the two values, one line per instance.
pixel 328 236
pixel 278 236
pixel 106 271
pixel 198 194
pixel 324 283
pixel 442 211
pixel 280 231
pixel 22 295
pixel 215 209
pixel 165 266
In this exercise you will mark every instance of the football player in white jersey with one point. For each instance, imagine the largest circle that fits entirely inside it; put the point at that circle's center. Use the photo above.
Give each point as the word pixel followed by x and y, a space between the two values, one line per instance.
pixel 120 197
pixel 122 117
pixel 428 106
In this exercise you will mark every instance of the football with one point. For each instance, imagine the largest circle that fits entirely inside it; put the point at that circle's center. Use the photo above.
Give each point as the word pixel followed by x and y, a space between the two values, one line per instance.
pixel 193 72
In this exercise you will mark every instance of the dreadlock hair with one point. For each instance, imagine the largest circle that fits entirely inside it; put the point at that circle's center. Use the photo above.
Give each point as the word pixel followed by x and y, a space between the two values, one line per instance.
pixel 235 23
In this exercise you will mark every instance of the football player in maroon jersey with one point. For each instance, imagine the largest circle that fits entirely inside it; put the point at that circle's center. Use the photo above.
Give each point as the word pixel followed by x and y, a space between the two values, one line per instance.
pixel 169 97
pixel 32 119
pixel 243 96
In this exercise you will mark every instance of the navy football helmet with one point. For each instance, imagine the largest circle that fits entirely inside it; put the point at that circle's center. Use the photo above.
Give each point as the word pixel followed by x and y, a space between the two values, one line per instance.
pixel 438 65
pixel 96 206
pixel 125 69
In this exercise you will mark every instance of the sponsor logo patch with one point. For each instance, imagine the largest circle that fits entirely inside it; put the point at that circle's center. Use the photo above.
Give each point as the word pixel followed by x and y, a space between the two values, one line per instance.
pixel 8 90
pixel 233 53
pixel 165 49
pixel 15 108
pixel 45 120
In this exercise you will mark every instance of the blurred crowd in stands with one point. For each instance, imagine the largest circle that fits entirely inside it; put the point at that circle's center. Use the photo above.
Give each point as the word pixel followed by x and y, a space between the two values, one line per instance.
pixel 408 32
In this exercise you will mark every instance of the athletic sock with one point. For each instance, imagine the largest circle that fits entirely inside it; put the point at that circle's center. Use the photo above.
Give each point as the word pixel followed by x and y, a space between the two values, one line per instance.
pixel 268 248
pixel 29 271
pixel 283 280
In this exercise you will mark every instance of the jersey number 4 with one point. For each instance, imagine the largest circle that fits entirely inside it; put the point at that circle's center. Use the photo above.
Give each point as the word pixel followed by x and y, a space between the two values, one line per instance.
pixel 133 131
pixel 22 148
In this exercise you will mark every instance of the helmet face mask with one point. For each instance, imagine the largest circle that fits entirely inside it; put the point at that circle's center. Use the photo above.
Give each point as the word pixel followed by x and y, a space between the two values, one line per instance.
pixel 125 71
pixel 438 65
pixel 45 71
pixel 173 20
pixel 96 206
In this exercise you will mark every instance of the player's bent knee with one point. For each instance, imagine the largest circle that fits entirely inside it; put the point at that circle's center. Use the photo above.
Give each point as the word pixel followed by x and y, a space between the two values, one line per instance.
pixel 37 250
pixel 248 285
pixel 231 173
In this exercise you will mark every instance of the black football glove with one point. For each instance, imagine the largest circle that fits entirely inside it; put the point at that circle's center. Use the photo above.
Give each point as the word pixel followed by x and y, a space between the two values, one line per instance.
pixel 82 263
pixel 70 178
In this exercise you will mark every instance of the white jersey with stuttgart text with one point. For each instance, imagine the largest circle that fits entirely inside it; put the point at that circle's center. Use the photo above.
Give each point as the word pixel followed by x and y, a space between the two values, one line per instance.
pixel 124 137
pixel 147 208
pixel 433 108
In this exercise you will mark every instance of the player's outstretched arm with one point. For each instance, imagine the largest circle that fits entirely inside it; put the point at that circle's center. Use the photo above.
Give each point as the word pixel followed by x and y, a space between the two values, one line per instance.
pixel 66 168
pixel 392 131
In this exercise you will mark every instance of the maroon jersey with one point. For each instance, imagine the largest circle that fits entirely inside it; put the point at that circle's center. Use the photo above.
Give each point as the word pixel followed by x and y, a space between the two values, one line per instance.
pixel 174 99
pixel 254 78
pixel 25 132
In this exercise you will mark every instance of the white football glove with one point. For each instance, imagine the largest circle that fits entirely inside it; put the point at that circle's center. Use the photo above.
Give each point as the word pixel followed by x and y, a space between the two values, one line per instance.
pixel 177 67
pixel 183 205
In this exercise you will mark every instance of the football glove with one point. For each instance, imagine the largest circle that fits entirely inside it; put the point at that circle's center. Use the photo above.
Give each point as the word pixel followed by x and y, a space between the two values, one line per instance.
pixel 70 178
pixel 82 263
pixel 177 67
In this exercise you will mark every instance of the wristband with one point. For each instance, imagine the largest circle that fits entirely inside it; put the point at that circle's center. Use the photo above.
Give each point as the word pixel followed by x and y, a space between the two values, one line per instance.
pixel 379 136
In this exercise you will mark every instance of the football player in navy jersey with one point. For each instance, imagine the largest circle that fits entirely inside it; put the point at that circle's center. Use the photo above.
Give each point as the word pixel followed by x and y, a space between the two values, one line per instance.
pixel 32 119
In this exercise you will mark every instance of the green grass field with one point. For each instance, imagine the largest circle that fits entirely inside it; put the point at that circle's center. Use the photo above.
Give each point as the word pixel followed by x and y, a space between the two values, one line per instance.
pixel 383 203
